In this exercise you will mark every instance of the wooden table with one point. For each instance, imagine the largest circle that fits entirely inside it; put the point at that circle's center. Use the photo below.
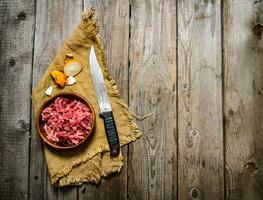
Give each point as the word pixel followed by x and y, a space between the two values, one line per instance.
pixel 197 66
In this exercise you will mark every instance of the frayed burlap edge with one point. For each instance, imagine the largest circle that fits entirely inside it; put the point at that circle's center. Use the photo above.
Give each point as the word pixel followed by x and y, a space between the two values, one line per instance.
pixel 95 177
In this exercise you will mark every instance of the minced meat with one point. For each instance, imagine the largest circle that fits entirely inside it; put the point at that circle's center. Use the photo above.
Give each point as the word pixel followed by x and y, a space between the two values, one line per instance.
pixel 67 120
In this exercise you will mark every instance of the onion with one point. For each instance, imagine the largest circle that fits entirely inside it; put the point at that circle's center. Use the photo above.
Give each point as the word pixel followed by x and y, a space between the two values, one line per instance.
pixel 71 66
pixel 71 80
pixel 49 90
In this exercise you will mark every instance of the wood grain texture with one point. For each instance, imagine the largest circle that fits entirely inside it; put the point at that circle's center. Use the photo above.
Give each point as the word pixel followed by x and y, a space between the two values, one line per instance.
pixel 152 159
pixel 142 41
pixel 17 28
pixel 113 19
pixel 243 86
pixel 200 130
pixel 55 20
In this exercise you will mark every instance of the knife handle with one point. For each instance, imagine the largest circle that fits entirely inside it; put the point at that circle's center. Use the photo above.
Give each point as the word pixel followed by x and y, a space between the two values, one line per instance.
pixel 111 132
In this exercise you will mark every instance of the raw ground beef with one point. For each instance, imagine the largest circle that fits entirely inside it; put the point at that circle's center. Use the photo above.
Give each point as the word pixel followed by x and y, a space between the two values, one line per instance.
pixel 67 120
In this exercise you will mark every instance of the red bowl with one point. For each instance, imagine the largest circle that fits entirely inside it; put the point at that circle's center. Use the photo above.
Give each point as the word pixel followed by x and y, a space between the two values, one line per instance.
pixel 40 123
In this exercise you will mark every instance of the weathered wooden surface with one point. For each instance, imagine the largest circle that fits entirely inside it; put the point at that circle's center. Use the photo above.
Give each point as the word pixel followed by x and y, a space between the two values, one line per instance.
pixel 16 36
pixel 195 65
pixel 243 89
pixel 200 124
pixel 152 159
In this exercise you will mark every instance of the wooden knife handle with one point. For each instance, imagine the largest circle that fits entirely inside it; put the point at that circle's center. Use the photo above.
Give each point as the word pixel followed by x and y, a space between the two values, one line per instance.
pixel 111 132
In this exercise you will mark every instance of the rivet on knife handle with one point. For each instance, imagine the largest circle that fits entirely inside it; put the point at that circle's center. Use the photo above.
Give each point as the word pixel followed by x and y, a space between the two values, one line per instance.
pixel 111 132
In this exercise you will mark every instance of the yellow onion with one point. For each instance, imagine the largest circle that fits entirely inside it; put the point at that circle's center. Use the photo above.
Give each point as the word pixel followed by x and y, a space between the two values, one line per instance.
pixel 71 65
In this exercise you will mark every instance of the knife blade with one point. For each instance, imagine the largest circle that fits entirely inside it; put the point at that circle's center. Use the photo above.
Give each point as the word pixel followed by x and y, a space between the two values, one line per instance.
pixel 104 104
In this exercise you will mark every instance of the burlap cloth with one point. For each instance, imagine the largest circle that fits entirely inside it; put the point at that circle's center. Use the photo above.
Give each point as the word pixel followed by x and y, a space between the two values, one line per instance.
pixel 92 160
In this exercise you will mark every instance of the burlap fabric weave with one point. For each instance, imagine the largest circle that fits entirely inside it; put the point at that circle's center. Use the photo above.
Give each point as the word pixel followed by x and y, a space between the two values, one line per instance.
pixel 92 160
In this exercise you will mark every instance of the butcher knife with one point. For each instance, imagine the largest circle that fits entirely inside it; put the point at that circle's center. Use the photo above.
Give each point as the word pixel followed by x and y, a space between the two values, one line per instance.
pixel 104 104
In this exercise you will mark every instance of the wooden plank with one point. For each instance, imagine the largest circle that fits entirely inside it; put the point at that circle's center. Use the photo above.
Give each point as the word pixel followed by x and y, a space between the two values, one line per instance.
pixel 17 28
pixel 55 20
pixel 113 19
pixel 114 30
pixel 152 161
pixel 243 88
pixel 200 130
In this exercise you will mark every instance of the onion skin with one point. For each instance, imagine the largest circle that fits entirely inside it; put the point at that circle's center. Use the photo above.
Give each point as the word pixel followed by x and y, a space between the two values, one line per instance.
pixel 59 77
